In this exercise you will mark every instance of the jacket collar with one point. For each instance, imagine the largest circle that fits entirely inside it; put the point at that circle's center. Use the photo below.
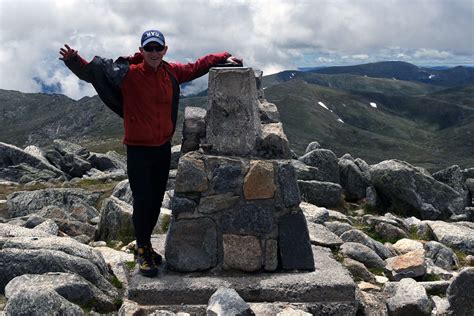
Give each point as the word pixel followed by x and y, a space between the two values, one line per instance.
pixel 149 68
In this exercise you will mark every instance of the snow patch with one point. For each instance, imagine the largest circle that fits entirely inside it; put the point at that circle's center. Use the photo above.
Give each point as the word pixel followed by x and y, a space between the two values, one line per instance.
pixel 339 120
pixel 292 75
pixel 431 76
pixel 323 105
pixel 372 104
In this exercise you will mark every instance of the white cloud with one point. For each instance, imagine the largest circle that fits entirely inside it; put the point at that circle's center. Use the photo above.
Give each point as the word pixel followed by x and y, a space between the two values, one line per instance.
pixel 360 57
pixel 271 35
pixel 432 53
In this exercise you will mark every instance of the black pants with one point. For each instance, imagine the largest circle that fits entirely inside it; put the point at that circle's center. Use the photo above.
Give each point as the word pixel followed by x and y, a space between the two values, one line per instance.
pixel 148 169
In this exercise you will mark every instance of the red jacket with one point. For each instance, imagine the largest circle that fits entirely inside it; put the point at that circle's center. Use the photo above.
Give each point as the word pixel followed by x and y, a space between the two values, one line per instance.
pixel 147 100
pixel 147 97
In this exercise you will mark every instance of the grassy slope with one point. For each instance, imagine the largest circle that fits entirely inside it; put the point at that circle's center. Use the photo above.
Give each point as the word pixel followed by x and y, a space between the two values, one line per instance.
pixel 420 130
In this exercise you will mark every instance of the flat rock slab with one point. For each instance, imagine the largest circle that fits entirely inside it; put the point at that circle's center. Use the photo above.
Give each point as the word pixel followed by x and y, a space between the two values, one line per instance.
pixel 329 283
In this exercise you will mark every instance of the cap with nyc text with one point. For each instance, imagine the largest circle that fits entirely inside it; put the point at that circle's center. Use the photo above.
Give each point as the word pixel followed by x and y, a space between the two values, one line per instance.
pixel 153 36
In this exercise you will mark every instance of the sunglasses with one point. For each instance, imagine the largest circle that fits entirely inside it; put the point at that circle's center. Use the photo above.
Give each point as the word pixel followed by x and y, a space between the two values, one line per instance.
pixel 150 48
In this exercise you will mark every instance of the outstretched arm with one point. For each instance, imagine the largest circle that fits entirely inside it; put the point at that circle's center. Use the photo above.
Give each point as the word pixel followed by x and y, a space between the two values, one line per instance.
pixel 191 71
pixel 75 62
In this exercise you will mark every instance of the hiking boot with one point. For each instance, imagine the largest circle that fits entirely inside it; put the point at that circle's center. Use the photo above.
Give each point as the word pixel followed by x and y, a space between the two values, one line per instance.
pixel 146 265
pixel 156 257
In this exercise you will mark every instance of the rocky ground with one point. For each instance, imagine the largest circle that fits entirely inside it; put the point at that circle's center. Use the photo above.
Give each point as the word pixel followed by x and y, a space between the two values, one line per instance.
pixel 405 236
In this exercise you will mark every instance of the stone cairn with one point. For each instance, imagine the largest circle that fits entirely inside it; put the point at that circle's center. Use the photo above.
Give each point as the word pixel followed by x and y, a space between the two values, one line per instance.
pixel 236 201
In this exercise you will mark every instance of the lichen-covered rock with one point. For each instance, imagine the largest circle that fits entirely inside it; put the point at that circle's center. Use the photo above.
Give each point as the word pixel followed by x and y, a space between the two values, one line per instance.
pixel 12 156
pixel 362 254
pixel 192 175
pixel 407 297
pixel 33 302
pixel 123 192
pixel 319 193
pixel 116 220
pixel 259 183
pixel 227 301
pixel 273 143
pixel 338 227
pixel 321 236
pixel 461 292
pixel 413 190
pixel 314 214
pixel 453 235
pixel 326 162
pixel 355 235
pixel 358 270
pixel 37 255
pixel 72 287
pixel 194 128
pixel 409 265
pixel 268 112
pixel 109 161
pixel 406 245
pixel 232 93
pixel 354 181
pixel 242 252
pixel 191 244
pixel 312 146
pixel 77 202
pixel 441 255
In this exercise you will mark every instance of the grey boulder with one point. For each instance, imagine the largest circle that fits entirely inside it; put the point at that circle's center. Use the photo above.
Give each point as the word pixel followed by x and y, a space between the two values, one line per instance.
pixel 354 181
pixel 39 303
pixel 19 166
pixel 116 220
pixel 441 255
pixel 319 193
pixel 72 287
pixel 461 292
pixel 362 254
pixel 326 162
pixel 77 202
pixel 355 235
pixel 407 297
pixel 123 192
pixel 413 190
pixel 454 235
pixel 227 301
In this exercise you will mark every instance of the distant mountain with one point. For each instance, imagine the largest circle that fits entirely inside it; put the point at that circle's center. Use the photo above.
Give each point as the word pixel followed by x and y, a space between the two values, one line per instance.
pixel 456 76
pixel 371 118
pixel 352 82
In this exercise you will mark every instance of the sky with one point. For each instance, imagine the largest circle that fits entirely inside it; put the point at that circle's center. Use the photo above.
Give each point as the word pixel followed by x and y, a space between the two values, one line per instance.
pixel 271 35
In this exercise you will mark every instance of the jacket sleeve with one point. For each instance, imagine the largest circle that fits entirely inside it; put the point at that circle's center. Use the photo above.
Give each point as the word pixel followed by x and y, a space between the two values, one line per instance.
pixel 191 71
pixel 78 66
pixel 105 75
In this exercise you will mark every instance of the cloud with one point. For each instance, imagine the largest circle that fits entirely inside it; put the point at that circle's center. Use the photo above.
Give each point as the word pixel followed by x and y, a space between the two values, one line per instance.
pixel 271 35
pixel 432 53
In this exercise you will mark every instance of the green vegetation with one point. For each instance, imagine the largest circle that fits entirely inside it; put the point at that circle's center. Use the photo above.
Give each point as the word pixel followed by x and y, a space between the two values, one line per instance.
pixel 376 271
pixel 431 277
pixel 116 282
pixel 461 257
pixel 3 301
pixel 165 223
pixel 337 256
pixel 130 265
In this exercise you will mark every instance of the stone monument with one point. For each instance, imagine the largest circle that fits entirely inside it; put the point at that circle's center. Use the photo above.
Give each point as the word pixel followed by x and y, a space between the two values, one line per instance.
pixel 236 201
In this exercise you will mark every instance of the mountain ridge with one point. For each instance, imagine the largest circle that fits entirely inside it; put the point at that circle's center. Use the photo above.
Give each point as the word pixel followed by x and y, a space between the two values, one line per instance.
pixel 373 118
